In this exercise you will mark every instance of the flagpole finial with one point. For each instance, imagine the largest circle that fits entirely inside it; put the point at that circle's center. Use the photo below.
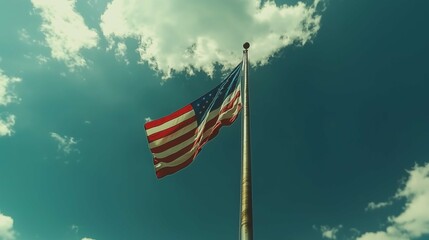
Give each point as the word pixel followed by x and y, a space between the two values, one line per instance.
pixel 246 45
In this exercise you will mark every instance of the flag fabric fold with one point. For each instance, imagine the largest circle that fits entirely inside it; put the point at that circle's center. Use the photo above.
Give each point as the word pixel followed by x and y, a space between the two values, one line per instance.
pixel 176 139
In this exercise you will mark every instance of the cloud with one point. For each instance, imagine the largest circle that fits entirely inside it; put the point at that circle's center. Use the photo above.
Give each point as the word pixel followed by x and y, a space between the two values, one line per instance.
pixel 6 228
pixel 74 228
pixel 120 52
pixel 354 233
pixel 413 221
pixel 373 205
pixel 328 232
pixel 6 94
pixel 42 59
pixel 86 238
pixel 24 36
pixel 6 125
pixel 65 31
pixel 65 144
pixel 195 35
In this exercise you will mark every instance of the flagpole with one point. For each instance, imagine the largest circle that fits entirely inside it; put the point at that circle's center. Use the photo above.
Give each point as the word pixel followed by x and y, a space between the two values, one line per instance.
pixel 246 219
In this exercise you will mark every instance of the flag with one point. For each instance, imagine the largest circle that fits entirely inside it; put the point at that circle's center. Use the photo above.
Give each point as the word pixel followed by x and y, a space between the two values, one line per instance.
pixel 176 139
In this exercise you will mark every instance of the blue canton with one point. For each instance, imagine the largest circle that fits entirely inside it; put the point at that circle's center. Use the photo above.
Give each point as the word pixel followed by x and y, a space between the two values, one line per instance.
pixel 214 99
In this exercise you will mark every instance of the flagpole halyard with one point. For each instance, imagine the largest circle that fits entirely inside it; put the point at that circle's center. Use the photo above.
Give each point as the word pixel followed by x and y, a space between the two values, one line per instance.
pixel 246 218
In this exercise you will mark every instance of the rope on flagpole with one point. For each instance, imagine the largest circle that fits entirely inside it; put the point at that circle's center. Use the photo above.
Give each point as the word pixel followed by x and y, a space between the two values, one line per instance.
pixel 246 218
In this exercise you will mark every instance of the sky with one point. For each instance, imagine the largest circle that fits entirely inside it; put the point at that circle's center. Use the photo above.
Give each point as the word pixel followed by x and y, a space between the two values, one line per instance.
pixel 339 118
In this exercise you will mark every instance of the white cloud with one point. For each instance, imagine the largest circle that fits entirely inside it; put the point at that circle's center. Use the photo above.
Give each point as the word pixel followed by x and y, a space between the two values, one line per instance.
pixel 6 228
pixel 413 221
pixel 373 205
pixel 6 125
pixel 86 238
pixel 24 36
pixel 329 232
pixel 6 94
pixel 65 31
pixel 42 59
pixel 74 228
pixel 354 233
pixel 120 52
pixel 65 144
pixel 195 35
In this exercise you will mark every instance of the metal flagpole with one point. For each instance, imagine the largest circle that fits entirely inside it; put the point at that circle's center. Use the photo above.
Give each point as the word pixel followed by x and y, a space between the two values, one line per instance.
pixel 246 219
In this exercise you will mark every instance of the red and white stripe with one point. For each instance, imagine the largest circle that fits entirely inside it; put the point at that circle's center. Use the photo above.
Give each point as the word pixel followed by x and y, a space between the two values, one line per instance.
pixel 176 139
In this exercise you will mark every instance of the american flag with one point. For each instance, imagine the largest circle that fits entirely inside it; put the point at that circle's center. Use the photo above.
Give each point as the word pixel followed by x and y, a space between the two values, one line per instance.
pixel 176 139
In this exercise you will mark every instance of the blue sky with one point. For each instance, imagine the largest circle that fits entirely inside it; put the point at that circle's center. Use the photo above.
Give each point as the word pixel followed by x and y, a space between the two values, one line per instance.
pixel 339 119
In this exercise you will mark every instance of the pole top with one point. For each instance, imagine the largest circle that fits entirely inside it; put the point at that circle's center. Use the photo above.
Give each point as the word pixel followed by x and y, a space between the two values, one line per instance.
pixel 246 45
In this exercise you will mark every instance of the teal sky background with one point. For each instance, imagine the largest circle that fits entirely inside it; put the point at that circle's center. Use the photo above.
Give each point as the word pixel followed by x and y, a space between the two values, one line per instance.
pixel 337 124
